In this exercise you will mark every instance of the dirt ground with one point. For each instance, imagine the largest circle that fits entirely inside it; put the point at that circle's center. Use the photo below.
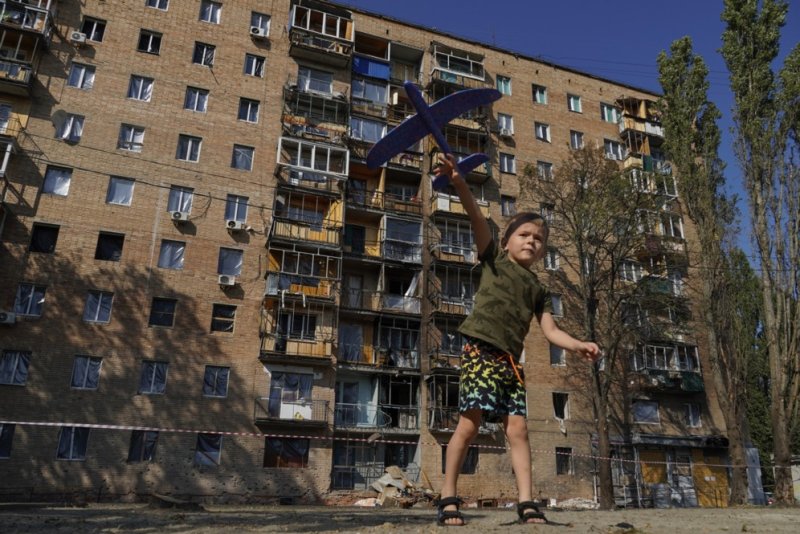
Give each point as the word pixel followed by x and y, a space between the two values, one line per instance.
pixel 307 519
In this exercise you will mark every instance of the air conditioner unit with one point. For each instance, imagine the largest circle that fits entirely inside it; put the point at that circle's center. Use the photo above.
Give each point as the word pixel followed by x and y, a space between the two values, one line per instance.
pixel 7 317
pixel 506 132
pixel 233 224
pixel 180 216
pixel 77 37
pixel 227 280
pixel 257 31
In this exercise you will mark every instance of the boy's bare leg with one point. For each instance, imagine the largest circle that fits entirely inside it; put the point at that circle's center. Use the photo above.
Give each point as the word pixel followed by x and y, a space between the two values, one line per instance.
pixel 465 432
pixel 517 434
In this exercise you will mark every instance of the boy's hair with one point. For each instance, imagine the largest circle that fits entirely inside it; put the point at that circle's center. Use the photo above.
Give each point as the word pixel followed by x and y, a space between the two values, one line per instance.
pixel 518 220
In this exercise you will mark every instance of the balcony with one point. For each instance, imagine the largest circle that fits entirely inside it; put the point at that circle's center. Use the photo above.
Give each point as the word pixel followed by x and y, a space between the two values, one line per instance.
pixel 298 231
pixel 16 77
pixel 451 204
pixel 319 48
pixel 315 181
pixel 369 108
pixel 662 285
pixel 380 201
pixel 377 358
pixel 328 113
pixel 446 360
pixel 282 284
pixel 402 419
pixel 453 305
pixel 30 15
pixel 276 347
pixel 636 124
pixel 305 412
pixel 402 251
pixel 670 380
pixel 407 161
pixel 361 415
pixel 363 300
pixel 461 81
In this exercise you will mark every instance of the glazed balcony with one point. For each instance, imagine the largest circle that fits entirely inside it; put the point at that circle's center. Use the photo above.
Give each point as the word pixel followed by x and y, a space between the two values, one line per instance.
pixel 282 284
pixel 451 204
pixel 30 15
pixel 377 358
pixel 380 201
pixel 306 412
pixel 368 108
pixel 15 77
pixel 291 230
pixel 322 36
pixel 453 305
pixel 637 124
pixel 670 380
pixel 280 347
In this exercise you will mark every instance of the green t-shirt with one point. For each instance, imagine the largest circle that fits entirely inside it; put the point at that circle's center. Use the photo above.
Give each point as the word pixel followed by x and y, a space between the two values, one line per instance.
pixel 508 297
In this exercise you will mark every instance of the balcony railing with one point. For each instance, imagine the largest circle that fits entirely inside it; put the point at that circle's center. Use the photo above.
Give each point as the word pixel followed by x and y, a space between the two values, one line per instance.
pixel 408 160
pixel 15 71
pixel 452 204
pixel 281 284
pixel 637 124
pixel 274 408
pixel 308 179
pixel 402 251
pixel 361 299
pixel 279 345
pixel 346 477
pixel 466 82
pixel 312 45
pixel 400 303
pixel 442 359
pixel 454 305
pixel 404 418
pixel 369 108
pixel 378 357
pixel 360 415
pixel 298 231
pixel 455 252
pixel 378 200
pixel 671 380
pixel 445 419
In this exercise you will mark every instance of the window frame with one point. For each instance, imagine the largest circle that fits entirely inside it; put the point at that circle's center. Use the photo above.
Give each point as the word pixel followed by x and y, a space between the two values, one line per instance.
pixel 571 103
pixel 100 297
pixel 221 323
pixel 249 110
pixel 552 259
pixel 128 135
pixel 110 235
pixel 210 12
pixel 153 42
pixel 95 33
pixel 88 370
pixel 147 443
pixel 256 64
pixel 144 92
pixel 693 415
pixel 221 269
pixel 576 141
pixel 158 4
pixel 565 461
pixel 154 386
pixel 541 131
pixel 539 94
pixel 119 181
pixel 212 390
pixel 71 128
pixel 174 261
pixel 49 178
pixel 30 297
pixel 177 199
pixel 19 371
pixel 261 20
pixel 203 459
pixel 504 159
pixel 77 451
pixel 87 71
pixel 558 356
pixel 189 147
pixel 204 54
pixel 171 313
pixel 234 205
pixel 651 404
pixel 39 228
pixel 195 99
pixel 504 84
pixel 610 113
pixel 242 154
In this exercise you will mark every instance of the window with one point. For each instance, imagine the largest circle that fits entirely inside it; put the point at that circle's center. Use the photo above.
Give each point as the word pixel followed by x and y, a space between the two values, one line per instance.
pixel 542 131
pixel 180 199
pixel 242 157
pixel 551 259
pixel 14 367
pixel 370 90
pixel 196 99
pixel 56 181
pixel 85 372
pixel 98 306
pixel 314 80
pixel 454 62
pixel 230 261
pixel 645 412
pixel 210 11
pixel 547 211
pixel 470 465
pixel 236 208
pixel 504 84
pixel 297 326
pixel 505 123
pixel 162 312
pixel 260 20
pixel 215 381
pixel 140 88
pixel 71 128
pixel 29 300
pixel 286 452
pixel 149 42
pixel 574 103
pixel 172 254
pixel 564 463
pixel 81 76
pixel 248 110
pixel 153 379
pixel 6 439
pixel 609 113
pixel 143 446
pixel 539 94
pixel 614 149
pixel 130 138
pixel 208 449
pixel 692 413
pixel 158 4
pixel 367 130
pixel 203 54
pixel 508 206
pixel 630 271
pixel 560 405
pixel 672 225
pixel 94 29
pixel 72 443
pixel 120 191
pixel 109 246
pixel 575 139
pixel 222 318
pixel 558 311
pixel 687 359
pixel 188 148
pixel 43 238
pixel 557 355
pixel 545 170
pixel 508 163
pixel 254 65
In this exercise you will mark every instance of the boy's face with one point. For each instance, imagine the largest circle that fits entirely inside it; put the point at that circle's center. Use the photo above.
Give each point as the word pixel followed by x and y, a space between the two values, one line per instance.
pixel 527 244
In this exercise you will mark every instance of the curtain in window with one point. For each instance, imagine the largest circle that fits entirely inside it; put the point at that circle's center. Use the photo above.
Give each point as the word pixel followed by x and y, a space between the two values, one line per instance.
pixel 14 367
pixel 171 256
pixel 236 208
pixel 209 449
pixel 645 412
pixel 86 372
pixel 288 387
pixel 30 299
pixel 143 446
pixel 230 261
pixel 6 439
pixel 153 378
pixel 242 158
pixel 371 67
pixel 180 199
pixel 98 307
pixel 57 181
pixel 351 340
pixel 72 443
pixel 215 381
pixel 120 191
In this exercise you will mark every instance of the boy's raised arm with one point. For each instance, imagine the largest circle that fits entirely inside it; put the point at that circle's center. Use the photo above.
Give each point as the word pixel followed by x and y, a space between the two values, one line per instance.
pixel 480 228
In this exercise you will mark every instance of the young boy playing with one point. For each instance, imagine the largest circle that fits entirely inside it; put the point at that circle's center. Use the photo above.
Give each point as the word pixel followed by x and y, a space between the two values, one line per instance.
pixel 492 380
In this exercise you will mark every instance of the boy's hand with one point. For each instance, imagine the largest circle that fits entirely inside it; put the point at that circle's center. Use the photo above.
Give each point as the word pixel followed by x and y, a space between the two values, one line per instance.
pixel 589 350
pixel 447 166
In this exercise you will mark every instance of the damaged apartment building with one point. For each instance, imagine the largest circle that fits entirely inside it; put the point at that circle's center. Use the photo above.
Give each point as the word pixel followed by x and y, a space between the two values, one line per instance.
pixel 205 291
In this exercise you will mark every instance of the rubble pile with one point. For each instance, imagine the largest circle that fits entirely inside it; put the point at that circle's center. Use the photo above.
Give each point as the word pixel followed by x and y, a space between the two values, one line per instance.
pixel 396 491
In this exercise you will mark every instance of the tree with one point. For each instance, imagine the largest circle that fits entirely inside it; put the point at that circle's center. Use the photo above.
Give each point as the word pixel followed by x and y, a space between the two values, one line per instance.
pixel 595 214
pixel 691 144
pixel 766 114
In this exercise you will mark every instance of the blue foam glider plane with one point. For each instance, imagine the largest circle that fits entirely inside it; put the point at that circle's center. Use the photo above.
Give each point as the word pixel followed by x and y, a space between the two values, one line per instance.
pixel 431 120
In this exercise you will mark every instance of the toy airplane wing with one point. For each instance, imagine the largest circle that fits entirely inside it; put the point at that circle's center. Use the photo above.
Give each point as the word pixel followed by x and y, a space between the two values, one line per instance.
pixel 414 128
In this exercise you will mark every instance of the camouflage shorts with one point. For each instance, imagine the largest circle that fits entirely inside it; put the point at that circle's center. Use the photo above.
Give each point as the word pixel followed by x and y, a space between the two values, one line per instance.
pixel 489 382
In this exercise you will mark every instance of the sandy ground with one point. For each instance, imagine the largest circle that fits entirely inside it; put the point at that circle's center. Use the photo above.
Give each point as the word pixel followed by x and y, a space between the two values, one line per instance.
pixel 145 519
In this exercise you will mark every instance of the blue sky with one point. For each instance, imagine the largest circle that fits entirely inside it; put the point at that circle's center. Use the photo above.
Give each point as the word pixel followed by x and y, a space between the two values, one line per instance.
pixel 609 38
